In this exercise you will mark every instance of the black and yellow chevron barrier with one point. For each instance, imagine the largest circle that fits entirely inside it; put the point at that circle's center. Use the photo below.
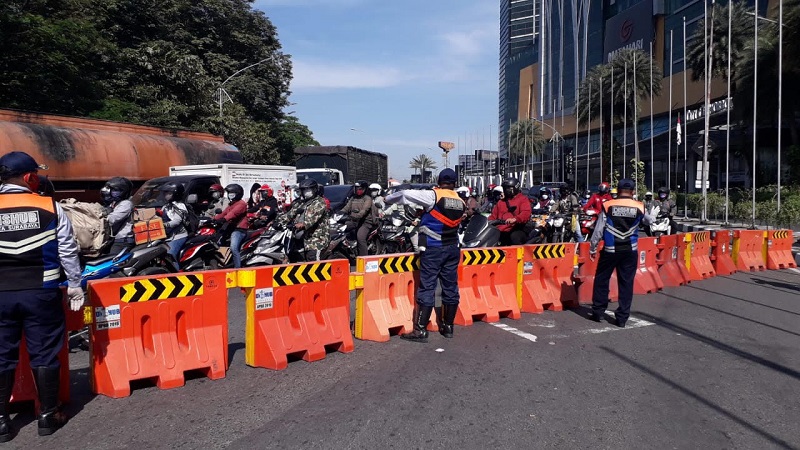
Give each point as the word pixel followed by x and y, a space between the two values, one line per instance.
pixel 701 237
pixel 549 251
pixel 301 274
pixel 175 286
pixel 483 256
pixel 398 264
pixel 781 234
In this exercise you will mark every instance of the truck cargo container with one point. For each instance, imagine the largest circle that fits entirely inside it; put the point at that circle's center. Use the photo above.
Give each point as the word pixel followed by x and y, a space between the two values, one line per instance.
pixel 354 163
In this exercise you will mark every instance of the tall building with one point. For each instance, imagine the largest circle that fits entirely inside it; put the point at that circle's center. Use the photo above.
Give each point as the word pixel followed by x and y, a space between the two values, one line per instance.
pixel 540 68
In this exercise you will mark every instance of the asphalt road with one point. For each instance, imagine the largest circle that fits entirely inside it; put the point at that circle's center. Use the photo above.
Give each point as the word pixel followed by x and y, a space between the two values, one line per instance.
pixel 712 365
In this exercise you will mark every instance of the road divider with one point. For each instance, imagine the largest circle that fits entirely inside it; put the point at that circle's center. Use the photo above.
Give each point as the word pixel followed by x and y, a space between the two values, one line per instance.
pixel 671 266
pixel 488 280
pixel 749 250
pixel 647 279
pixel 547 278
pixel 697 251
pixel 722 251
pixel 779 250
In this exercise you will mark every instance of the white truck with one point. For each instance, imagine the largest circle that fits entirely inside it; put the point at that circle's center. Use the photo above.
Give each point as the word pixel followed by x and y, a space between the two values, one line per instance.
pixel 279 178
pixel 325 177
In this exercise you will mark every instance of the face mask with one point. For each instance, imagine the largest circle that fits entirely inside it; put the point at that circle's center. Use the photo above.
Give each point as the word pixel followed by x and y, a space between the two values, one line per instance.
pixel 231 196
pixel 373 194
pixel 33 181
pixel 359 192
pixel 216 195
pixel 308 194
pixel 662 196
pixel 545 196
pixel 167 198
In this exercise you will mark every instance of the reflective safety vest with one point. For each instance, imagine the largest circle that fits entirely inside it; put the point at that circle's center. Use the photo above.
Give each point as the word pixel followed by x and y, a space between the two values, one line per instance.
pixel 621 230
pixel 28 243
pixel 439 226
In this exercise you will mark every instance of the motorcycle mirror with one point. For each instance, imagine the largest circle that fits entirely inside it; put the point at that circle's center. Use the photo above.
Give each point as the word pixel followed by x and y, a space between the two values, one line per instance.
pixel 218 211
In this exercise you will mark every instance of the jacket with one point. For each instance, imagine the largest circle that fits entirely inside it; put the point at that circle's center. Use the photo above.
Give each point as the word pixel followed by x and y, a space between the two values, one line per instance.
pixel 519 207
pixel 359 209
pixel 176 213
pixel 235 213
pixel 439 225
pixel 119 219
pixel 313 214
pixel 50 248
pixel 596 202
pixel 618 225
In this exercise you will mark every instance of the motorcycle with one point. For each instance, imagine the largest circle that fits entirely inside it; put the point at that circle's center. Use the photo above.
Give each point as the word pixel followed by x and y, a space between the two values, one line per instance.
pixel 588 220
pixel 560 226
pixel 481 232
pixel 661 225
pixel 272 246
pixel 342 246
pixel 539 229
pixel 395 234
pixel 202 251
pixel 103 267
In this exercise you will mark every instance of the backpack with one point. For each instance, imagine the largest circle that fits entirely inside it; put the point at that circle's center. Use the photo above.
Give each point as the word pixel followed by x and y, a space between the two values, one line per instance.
pixel 90 227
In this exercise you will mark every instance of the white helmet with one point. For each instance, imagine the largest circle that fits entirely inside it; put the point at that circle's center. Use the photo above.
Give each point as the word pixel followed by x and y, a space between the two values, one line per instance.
pixel 648 193
pixel 375 186
pixel 463 190
pixel 498 189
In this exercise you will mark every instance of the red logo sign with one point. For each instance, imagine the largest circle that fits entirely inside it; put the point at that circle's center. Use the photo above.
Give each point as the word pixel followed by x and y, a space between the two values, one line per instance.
pixel 626 31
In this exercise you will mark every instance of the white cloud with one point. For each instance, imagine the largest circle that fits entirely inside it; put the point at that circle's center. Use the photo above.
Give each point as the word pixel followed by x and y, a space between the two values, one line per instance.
pixel 338 75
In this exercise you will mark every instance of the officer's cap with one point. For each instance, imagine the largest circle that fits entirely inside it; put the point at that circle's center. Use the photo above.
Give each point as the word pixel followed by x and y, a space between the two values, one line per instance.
pixel 447 176
pixel 16 163
pixel 627 184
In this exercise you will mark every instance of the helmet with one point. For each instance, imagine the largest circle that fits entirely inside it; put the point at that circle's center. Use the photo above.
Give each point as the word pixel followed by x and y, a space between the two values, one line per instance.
pixel 463 192
pixel 603 187
pixel 176 189
pixel 309 188
pixel 492 186
pixel 360 185
pixel 613 192
pixel 544 193
pixel 663 193
pixel 266 188
pixel 117 188
pixel 587 194
pixel 510 187
pixel 648 194
pixel 216 187
pixel 375 189
pixel 235 189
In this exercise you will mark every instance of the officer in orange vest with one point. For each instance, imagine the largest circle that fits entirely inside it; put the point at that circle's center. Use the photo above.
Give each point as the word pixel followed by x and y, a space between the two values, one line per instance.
pixel 618 227
pixel 37 252
pixel 439 252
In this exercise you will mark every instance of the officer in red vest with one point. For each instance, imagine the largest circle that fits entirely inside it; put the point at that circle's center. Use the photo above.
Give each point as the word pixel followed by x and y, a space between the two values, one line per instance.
pixel 439 252
pixel 37 253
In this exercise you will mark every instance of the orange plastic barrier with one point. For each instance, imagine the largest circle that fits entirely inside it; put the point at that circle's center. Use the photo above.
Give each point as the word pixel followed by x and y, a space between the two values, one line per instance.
pixel 386 293
pixel 672 267
pixel 24 384
pixel 748 250
pixel 296 310
pixel 487 281
pixel 722 248
pixel 700 266
pixel 547 278
pixel 158 327
pixel 647 279
pixel 779 250
pixel 585 271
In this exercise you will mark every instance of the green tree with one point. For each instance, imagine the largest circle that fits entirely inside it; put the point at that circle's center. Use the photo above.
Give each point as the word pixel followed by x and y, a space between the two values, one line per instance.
pixel 289 134
pixel 525 138
pixel 422 163
pixel 741 33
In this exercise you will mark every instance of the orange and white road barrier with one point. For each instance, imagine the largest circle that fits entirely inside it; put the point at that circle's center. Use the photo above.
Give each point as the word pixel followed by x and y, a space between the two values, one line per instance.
pixel 547 278
pixel 779 250
pixel 671 264
pixel 488 281
pixel 722 252
pixel 647 279
pixel 749 250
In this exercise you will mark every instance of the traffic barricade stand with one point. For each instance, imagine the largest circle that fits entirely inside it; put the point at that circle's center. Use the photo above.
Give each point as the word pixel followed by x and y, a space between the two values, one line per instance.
pixel 779 250
pixel 158 327
pixel 24 383
pixel 584 272
pixel 748 250
pixel 722 248
pixel 671 266
pixel 547 278
pixel 385 288
pixel 699 255
pixel 299 310
pixel 488 283
pixel 647 279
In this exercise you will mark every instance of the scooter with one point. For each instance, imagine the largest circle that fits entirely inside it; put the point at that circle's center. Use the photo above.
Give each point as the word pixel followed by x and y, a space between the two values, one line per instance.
pixel 270 247
pixel 481 232
pixel 661 225
pixel 539 229
pixel 395 234
pixel 202 251
pixel 588 220
pixel 560 226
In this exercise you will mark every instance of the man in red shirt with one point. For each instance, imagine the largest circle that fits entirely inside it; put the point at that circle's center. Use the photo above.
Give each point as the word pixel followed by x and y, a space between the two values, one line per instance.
pixel 235 215
pixel 596 201
pixel 515 210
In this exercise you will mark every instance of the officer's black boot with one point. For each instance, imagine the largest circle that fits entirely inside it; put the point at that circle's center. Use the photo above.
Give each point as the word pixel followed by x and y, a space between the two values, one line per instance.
pixel 448 316
pixel 437 311
pixel 422 315
pixel 6 386
pixel 51 418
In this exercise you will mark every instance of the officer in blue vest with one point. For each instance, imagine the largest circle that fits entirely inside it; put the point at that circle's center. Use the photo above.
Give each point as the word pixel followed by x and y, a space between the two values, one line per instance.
pixel 618 227
pixel 439 252
pixel 37 252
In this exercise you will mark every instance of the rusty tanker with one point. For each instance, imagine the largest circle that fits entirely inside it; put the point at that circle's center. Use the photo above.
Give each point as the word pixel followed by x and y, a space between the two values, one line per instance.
pixel 83 153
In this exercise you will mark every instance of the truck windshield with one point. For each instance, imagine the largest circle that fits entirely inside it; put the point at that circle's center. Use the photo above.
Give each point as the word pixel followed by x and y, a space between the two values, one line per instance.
pixel 322 177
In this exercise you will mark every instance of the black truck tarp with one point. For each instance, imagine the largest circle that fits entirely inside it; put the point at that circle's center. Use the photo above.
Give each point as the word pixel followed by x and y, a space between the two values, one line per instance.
pixel 355 163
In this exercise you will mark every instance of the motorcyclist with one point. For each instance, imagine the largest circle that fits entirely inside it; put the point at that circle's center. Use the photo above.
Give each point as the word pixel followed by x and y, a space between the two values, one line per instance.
pixel 216 200
pixel 587 194
pixel 491 198
pixel 546 204
pixel 668 207
pixel 359 212
pixel 115 196
pixel 571 204
pixel 375 190
pixel 234 215
pixel 472 205
pixel 265 210
pixel 174 213
pixel 648 201
pixel 596 201
pixel 309 215
pixel 515 210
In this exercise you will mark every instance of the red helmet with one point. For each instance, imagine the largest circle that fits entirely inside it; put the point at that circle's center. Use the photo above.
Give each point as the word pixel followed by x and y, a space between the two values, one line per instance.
pixel 265 187
pixel 492 186
pixel 216 187
pixel 603 188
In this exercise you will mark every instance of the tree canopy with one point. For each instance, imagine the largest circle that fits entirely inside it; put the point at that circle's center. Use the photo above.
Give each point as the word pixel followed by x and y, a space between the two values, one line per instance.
pixel 153 62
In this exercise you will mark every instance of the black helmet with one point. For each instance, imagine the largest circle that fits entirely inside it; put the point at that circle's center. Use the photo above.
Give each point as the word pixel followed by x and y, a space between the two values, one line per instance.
pixel 117 188
pixel 308 185
pixel 235 189
pixel 362 186
pixel 510 187
pixel 176 189
pixel 544 191
pixel 663 193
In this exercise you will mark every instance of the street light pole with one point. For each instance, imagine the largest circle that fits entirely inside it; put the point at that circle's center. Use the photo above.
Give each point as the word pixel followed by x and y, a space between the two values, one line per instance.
pixel 221 89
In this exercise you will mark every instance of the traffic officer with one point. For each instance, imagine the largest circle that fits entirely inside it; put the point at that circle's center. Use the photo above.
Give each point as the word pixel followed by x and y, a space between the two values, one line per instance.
pixel 618 227
pixel 439 253
pixel 30 297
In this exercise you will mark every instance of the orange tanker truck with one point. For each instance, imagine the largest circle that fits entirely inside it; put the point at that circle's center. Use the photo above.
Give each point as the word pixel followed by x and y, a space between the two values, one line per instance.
pixel 83 153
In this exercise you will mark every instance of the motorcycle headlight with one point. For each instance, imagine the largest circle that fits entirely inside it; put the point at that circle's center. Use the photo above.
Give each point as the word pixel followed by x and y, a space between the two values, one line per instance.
pixel 472 244
pixel 396 221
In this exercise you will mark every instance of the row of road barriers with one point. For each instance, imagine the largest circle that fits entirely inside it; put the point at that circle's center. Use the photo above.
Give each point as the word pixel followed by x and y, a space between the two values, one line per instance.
pixel 159 327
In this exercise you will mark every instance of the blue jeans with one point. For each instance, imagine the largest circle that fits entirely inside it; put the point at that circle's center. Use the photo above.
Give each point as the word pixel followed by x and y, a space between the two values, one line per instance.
pixel 438 263
pixel 175 247
pixel 236 245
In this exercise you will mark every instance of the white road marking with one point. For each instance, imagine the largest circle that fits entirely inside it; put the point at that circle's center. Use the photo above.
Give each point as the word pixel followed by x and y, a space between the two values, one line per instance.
pixel 544 323
pixel 795 270
pixel 632 323
pixel 515 331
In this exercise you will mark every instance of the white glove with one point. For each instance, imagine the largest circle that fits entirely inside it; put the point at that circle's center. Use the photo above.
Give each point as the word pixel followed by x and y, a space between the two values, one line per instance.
pixel 76 298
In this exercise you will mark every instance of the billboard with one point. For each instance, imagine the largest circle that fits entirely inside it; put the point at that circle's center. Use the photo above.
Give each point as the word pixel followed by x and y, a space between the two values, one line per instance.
pixel 630 29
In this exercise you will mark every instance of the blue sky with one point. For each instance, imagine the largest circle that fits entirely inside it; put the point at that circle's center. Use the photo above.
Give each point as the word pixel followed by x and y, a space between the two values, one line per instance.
pixel 404 74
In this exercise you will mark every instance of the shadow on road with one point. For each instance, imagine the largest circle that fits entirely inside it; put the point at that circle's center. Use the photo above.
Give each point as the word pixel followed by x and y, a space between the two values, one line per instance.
pixel 720 345
pixel 689 393
pixel 777 284
pixel 760 305
pixel 233 347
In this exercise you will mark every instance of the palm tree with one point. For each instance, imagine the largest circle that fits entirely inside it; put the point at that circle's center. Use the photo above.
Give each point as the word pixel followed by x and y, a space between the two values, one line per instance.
pixel 422 163
pixel 525 138
pixel 741 34
pixel 598 83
